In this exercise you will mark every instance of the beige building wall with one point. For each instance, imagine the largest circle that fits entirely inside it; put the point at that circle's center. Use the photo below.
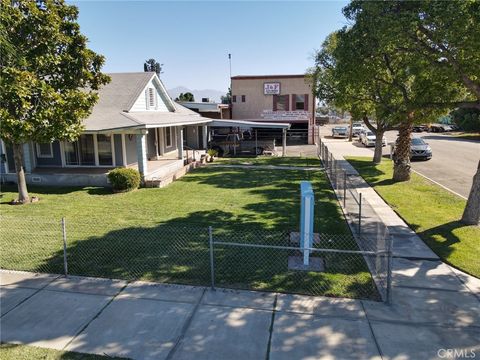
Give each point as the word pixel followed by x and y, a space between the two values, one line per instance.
pixel 256 101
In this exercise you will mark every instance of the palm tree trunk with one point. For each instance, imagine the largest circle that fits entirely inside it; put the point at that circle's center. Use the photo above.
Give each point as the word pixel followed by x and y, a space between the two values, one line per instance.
pixel 22 184
pixel 471 214
pixel 377 156
pixel 401 162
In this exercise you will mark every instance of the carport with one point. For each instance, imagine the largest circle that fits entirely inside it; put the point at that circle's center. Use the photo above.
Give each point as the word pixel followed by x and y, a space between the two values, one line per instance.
pixel 255 125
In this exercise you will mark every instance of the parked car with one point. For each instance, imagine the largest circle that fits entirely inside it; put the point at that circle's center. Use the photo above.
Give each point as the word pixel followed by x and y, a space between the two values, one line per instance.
pixel 340 131
pixel 235 144
pixel 368 138
pixel 440 128
pixel 419 149
pixel 357 128
pixel 420 128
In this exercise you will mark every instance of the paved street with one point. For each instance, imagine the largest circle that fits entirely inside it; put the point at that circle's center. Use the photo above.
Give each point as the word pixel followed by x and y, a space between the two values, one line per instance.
pixel 453 164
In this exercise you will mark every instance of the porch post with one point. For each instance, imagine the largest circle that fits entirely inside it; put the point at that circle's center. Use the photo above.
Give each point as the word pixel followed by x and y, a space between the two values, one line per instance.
pixel 180 142
pixel 142 153
pixel 284 142
pixel 205 137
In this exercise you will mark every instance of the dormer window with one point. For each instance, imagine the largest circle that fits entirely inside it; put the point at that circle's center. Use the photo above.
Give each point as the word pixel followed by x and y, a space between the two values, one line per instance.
pixel 151 98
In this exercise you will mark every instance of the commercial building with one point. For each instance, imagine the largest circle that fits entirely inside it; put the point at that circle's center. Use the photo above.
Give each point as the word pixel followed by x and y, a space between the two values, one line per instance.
pixel 276 98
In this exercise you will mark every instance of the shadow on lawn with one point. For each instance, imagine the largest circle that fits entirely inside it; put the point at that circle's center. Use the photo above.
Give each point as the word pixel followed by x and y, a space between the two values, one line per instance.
pixel 441 238
pixel 281 192
pixel 177 251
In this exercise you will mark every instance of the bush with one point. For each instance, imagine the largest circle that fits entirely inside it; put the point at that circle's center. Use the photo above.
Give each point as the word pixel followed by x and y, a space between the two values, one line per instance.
pixel 467 119
pixel 123 179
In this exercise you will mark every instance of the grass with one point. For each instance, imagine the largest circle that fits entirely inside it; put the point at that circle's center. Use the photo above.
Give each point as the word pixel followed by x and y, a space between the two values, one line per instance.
pixel 162 234
pixel 268 160
pixel 23 352
pixel 467 135
pixel 431 211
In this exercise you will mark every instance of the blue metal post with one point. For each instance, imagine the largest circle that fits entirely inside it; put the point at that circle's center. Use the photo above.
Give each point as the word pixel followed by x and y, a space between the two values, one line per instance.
pixel 306 219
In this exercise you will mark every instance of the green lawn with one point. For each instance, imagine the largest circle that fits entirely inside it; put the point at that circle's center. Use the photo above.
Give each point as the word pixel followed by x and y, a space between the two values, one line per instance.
pixel 430 210
pixel 24 352
pixel 269 160
pixel 162 234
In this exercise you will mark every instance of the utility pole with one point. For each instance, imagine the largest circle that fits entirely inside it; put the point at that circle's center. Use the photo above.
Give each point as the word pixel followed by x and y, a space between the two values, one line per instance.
pixel 231 91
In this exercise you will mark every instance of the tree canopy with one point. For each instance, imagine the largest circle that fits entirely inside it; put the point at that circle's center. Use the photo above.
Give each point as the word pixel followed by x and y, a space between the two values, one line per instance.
pixel 188 96
pixel 48 78
pixel 153 66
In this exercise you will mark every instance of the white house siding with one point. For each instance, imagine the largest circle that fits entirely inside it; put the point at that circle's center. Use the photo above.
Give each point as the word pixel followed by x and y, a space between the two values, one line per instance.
pixel 141 103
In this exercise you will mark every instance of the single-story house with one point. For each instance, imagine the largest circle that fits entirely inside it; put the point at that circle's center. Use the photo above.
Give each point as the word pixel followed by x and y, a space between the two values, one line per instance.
pixel 134 124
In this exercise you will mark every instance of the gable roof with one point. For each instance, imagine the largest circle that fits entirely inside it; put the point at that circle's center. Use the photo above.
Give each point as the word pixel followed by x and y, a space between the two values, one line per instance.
pixel 117 98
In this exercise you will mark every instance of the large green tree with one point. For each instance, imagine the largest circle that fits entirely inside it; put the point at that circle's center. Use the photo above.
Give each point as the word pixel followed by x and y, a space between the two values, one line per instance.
pixel 409 89
pixel 440 41
pixel 48 79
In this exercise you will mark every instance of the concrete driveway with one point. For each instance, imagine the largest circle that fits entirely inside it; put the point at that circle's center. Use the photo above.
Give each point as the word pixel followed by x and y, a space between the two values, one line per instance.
pixel 453 164
pixel 433 310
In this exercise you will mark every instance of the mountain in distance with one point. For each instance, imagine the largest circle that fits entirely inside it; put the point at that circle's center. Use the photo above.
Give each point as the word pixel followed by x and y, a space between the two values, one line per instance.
pixel 213 95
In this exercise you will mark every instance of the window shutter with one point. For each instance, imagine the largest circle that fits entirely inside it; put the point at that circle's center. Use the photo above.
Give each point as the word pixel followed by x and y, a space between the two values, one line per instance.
pixel 294 102
pixel 275 100
pixel 287 102
pixel 305 104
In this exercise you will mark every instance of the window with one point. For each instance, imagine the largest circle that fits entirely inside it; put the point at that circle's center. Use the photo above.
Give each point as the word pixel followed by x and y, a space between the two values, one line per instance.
pixel 104 145
pixel 299 102
pixel 45 150
pixel 80 152
pixel 168 136
pixel 234 98
pixel 151 98
pixel 280 103
pixel 243 98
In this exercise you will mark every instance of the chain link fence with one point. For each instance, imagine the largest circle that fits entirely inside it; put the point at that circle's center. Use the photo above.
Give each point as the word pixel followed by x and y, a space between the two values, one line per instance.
pixel 369 231
pixel 253 258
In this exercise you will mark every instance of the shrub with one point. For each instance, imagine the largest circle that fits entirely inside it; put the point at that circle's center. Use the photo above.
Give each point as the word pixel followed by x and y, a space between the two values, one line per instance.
pixel 123 179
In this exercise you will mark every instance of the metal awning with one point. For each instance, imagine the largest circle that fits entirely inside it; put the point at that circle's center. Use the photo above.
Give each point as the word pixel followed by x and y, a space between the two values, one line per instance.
pixel 249 124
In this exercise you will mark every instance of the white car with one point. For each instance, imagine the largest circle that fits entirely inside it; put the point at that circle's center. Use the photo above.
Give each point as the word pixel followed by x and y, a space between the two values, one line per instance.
pixel 368 138
pixel 357 129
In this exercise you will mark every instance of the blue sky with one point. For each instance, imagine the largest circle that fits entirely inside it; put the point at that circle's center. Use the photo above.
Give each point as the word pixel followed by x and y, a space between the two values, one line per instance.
pixel 192 39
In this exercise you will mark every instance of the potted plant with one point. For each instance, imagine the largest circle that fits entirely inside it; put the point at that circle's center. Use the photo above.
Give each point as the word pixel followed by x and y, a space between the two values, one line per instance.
pixel 211 153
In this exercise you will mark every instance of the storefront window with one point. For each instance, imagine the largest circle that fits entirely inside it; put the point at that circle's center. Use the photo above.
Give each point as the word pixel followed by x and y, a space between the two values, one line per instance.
pixel 299 102
pixel 282 102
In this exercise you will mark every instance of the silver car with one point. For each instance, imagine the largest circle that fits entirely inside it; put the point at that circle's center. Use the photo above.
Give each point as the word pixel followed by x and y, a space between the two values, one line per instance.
pixel 340 131
pixel 419 149
pixel 368 138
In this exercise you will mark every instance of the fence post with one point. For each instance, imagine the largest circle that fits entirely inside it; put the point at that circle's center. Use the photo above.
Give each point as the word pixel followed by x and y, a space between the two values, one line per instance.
pixel 345 189
pixel 212 263
pixel 64 233
pixel 389 269
pixel 360 214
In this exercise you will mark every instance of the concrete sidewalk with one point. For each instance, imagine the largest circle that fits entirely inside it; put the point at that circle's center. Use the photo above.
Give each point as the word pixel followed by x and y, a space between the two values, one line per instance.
pixel 158 321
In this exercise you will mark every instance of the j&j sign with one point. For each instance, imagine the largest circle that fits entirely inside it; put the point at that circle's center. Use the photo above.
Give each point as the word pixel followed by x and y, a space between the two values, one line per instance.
pixel 272 88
